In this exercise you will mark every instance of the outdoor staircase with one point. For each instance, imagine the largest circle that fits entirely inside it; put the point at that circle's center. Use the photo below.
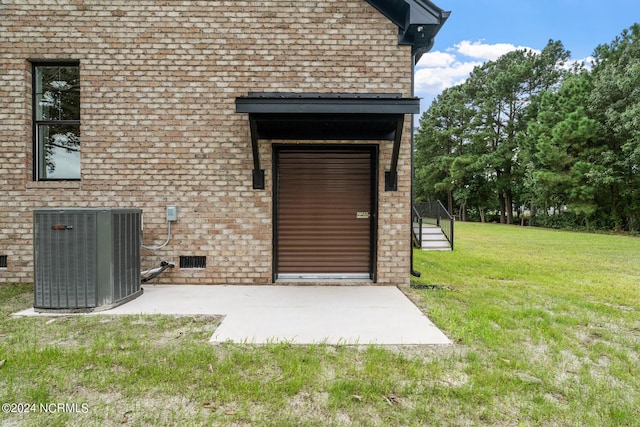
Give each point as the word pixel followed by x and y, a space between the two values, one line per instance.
pixel 432 227
pixel 433 239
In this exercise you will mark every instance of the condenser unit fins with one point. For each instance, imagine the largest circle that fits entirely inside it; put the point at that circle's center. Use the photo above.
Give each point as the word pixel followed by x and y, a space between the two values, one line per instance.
pixel 85 259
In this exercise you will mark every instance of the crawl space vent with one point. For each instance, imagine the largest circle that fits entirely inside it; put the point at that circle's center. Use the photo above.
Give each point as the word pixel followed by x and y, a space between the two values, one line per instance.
pixel 193 261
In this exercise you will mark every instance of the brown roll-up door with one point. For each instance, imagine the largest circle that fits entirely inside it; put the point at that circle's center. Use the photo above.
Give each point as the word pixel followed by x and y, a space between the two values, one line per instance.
pixel 324 212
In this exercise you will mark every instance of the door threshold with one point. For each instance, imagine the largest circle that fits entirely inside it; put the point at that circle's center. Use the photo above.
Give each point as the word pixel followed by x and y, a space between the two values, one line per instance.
pixel 324 281
pixel 324 276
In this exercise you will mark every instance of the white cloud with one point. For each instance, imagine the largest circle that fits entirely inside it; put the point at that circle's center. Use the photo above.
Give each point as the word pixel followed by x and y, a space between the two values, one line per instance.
pixel 486 52
pixel 436 59
pixel 433 80
pixel 439 70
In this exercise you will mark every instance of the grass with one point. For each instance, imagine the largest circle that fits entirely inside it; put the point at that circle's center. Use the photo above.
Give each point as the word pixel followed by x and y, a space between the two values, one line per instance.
pixel 546 326
pixel 550 321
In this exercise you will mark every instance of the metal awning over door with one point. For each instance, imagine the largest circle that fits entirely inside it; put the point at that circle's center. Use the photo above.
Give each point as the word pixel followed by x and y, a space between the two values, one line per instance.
pixel 303 116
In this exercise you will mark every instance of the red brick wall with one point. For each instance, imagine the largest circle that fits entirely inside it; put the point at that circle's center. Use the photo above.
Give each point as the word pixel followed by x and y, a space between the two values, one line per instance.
pixel 158 85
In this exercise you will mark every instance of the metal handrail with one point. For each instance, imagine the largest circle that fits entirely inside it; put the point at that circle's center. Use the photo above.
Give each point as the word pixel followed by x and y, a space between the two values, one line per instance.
pixel 436 214
pixel 416 222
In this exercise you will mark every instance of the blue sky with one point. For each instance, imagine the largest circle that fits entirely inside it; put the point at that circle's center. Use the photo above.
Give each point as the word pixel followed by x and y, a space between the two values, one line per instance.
pixel 481 30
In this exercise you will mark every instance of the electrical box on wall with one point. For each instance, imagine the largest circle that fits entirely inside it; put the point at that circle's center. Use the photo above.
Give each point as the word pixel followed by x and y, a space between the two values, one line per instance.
pixel 172 213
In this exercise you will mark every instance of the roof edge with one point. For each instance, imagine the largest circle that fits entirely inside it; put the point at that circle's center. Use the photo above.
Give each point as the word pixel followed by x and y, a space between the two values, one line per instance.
pixel 418 22
pixel 329 103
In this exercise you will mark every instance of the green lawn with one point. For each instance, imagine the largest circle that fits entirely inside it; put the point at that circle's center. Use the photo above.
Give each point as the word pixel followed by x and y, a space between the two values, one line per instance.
pixel 546 327
pixel 548 323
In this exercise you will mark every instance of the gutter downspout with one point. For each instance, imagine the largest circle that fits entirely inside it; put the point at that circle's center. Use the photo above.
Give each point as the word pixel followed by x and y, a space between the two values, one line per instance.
pixel 414 273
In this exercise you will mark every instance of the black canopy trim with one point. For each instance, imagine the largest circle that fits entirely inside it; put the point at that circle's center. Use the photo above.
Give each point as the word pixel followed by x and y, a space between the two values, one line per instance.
pixel 418 22
pixel 300 116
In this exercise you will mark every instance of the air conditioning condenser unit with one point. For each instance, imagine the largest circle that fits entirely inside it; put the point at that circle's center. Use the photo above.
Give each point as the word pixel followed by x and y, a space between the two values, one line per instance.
pixel 85 259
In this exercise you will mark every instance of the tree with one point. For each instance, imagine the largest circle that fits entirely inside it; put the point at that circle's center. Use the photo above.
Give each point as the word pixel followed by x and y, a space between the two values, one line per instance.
pixel 440 141
pixel 503 90
pixel 524 128
pixel 563 149
pixel 467 144
pixel 615 102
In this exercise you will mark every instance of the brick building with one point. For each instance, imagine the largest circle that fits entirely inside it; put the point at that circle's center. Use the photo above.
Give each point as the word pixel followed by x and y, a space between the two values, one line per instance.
pixel 281 130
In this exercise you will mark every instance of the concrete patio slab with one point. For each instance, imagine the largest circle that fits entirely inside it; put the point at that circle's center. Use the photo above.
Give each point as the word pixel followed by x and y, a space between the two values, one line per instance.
pixel 380 315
